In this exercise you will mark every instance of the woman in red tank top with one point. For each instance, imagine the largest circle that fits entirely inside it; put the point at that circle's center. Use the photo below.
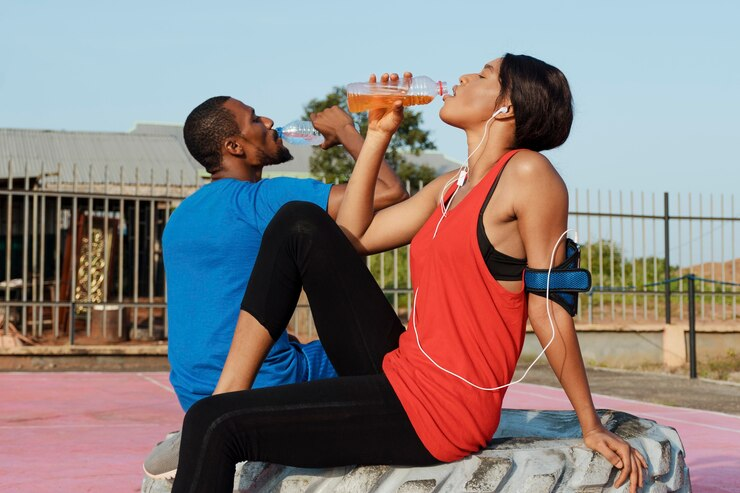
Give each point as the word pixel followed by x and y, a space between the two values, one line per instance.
pixel 447 374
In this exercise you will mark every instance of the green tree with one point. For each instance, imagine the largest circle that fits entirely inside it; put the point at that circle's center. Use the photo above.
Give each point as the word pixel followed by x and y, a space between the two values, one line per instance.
pixel 335 164
pixel 604 259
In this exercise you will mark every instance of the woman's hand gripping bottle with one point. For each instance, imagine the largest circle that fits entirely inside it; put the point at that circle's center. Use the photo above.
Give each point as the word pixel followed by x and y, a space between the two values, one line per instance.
pixel 363 96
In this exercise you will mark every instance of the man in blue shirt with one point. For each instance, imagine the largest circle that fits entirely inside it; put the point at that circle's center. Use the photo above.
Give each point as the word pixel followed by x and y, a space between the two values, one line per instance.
pixel 212 239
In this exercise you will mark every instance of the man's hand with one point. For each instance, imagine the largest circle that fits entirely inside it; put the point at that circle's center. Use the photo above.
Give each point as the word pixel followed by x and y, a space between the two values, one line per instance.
pixel 332 122
pixel 619 454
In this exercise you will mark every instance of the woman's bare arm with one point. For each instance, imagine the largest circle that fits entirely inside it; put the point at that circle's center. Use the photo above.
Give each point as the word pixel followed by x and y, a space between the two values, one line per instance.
pixel 541 209
pixel 338 128
pixel 369 231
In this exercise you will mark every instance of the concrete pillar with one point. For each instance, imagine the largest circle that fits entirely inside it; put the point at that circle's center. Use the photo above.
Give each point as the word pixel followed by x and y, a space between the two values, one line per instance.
pixel 674 346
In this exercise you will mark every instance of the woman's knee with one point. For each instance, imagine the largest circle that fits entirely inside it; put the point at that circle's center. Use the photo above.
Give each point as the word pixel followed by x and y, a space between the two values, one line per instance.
pixel 206 420
pixel 200 416
pixel 299 219
pixel 209 429
pixel 206 417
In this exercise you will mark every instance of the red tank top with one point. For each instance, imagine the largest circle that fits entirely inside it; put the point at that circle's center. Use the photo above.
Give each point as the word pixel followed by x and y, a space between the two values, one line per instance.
pixel 466 322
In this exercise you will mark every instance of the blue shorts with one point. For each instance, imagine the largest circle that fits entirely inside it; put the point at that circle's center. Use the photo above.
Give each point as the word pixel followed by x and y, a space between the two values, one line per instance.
pixel 317 364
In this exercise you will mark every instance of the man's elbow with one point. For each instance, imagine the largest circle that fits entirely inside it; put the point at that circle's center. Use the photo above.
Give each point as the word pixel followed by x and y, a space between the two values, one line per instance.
pixel 400 194
pixel 388 197
pixel 392 195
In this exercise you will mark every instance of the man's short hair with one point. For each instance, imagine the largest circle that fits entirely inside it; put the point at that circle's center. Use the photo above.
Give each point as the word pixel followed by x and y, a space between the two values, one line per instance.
pixel 206 128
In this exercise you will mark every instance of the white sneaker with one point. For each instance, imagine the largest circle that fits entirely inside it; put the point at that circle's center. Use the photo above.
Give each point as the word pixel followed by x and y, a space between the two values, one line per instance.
pixel 162 460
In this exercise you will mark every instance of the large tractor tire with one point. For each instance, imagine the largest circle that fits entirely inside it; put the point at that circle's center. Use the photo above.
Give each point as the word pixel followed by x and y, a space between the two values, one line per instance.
pixel 532 451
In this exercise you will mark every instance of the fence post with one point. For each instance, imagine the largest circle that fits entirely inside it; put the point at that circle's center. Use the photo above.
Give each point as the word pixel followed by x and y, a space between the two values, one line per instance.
pixel 667 267
pixel 72 321
pixel 692 326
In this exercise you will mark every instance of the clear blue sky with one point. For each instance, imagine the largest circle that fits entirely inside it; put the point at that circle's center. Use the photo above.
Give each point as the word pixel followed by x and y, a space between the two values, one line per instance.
pixel 656 83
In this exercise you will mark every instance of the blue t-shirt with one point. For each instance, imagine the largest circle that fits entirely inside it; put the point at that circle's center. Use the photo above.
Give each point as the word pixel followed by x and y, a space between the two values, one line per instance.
pixel 210 245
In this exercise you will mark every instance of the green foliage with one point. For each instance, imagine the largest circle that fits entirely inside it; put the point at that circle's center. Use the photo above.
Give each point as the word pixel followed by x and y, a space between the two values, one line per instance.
pixel 721 367
pixel 394 262
pixel 604 259
pixel 336 165
pixel 415 174
pixel 390 264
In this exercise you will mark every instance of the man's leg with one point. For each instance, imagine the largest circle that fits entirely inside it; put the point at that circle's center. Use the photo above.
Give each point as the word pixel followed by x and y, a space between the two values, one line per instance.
pixel 316 364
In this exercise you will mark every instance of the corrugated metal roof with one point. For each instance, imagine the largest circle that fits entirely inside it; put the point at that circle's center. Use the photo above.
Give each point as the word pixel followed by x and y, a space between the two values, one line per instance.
pixel 151 150
pixel 147 158
pixel 173 131
pixel 436 160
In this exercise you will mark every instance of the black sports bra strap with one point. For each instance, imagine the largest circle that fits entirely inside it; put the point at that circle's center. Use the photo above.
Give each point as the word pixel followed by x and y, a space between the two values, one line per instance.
pixel 503 267
pixel 490 193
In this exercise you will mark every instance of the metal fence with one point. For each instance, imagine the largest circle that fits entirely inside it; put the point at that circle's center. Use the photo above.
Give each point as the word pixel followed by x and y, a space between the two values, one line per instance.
pixel 82 262
pixel 635 243
pixel 624 238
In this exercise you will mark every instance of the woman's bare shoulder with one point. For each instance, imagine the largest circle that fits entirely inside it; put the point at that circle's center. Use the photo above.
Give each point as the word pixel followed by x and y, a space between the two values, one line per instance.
pixel 527 162
pixel 535 183
pixel 532 168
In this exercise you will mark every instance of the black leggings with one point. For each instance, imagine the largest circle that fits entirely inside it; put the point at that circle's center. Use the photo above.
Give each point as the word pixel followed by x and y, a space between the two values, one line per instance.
pixel 353 419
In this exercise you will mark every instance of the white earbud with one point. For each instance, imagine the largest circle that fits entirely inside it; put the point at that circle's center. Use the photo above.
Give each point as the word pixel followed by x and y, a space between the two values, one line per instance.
pixel 503 109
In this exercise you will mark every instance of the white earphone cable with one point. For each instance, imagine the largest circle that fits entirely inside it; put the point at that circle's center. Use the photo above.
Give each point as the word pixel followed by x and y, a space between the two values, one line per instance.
pixel 462 172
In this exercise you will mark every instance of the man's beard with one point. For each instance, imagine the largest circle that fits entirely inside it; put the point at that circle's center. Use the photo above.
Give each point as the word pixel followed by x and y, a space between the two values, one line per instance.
pixel 281 156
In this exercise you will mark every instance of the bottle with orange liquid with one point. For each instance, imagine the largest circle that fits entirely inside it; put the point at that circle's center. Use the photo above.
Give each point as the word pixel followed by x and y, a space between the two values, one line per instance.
pixel 363 96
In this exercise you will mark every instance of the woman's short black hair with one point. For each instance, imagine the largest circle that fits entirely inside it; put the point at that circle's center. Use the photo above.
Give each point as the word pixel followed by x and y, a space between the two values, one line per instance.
pixel 543 104
pixel 206 127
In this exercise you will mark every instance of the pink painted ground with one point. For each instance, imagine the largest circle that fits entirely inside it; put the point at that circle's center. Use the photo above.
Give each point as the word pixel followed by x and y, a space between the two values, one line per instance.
pixel 89 432
pixel 81 432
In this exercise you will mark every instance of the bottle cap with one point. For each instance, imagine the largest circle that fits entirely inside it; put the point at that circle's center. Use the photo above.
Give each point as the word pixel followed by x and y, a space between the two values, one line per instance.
pixel 442 87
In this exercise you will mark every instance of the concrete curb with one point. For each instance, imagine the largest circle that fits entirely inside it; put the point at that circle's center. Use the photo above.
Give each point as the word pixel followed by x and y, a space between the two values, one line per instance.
pixel 67 350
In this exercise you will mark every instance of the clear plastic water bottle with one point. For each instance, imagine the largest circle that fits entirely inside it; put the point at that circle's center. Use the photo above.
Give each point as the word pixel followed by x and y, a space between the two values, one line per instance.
pixel 363 96
pixel 300 132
